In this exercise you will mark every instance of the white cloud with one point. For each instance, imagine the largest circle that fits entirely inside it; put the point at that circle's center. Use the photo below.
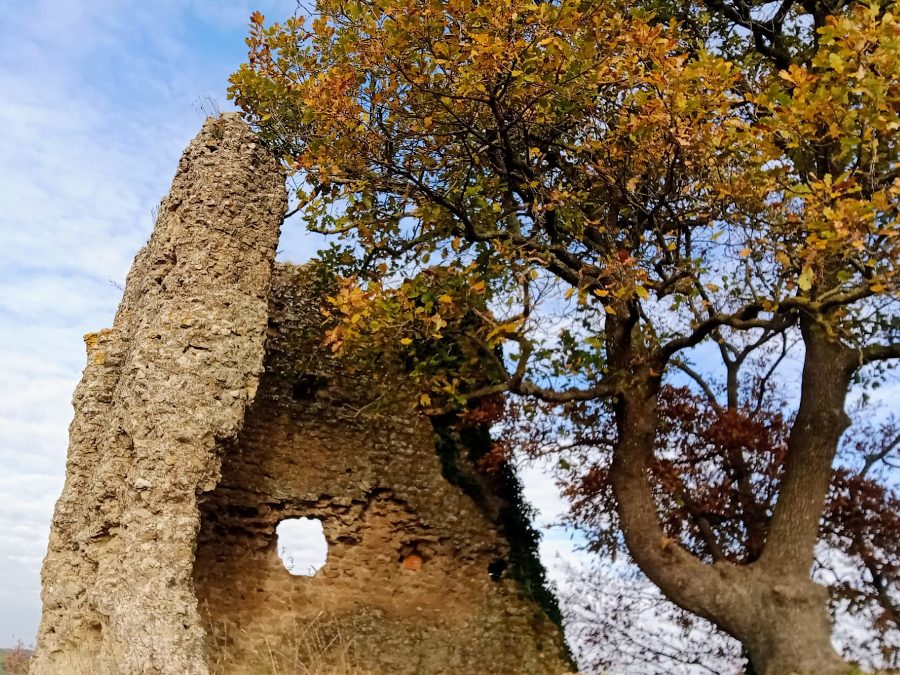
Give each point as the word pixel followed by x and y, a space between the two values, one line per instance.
pixel 561 549
pixel 302 546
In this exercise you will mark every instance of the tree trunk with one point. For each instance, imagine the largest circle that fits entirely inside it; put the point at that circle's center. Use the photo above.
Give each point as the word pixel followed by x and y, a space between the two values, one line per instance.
pixel 771 606
pixel 821 420
pixel 683 578
pixel 782 622
pixel 789 631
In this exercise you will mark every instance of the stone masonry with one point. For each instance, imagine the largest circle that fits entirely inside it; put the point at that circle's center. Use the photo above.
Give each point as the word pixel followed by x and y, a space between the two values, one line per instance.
pixel 206 415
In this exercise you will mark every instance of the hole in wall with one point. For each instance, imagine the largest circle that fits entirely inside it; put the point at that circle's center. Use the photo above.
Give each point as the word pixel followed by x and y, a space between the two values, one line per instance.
pixel 306 386
pixel 301 545
pixel 496 569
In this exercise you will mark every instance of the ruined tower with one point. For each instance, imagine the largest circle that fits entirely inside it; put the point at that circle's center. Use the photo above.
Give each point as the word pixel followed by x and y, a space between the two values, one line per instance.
pixel 206 416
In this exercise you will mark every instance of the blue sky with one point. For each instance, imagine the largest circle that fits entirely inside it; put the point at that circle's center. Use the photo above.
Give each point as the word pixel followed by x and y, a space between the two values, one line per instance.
pixel 99 99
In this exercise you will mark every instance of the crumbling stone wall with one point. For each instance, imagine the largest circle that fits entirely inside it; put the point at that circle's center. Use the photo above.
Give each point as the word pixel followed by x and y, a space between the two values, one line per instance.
pixel 416 576
pixel 163 393
pixel 206 415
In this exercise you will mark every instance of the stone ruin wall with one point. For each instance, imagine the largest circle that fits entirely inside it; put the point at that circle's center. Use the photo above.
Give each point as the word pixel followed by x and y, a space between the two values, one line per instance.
pixel 163 392
pixel 204 418
pixel 377 486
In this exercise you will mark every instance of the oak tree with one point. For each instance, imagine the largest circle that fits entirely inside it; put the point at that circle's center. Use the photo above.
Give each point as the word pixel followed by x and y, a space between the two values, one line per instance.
pixel 582 196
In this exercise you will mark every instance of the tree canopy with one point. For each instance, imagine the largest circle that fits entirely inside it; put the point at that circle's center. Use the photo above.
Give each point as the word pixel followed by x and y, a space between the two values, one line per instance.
pixel 580 197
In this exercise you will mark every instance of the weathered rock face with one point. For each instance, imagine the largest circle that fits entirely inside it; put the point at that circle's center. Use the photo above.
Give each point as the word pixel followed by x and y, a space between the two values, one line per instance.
pixel 163 393
pixel 205 417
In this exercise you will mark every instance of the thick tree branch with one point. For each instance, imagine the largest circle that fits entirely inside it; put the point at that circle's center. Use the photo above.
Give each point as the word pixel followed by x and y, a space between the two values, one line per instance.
pixel 874 353
pixel 812 445
pixel 743 319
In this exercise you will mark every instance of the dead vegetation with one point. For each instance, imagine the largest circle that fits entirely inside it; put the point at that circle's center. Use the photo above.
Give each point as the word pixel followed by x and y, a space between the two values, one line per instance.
pixel 313 647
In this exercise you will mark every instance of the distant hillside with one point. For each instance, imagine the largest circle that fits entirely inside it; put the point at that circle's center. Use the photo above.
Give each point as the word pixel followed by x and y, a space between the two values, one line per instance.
pixel 14 660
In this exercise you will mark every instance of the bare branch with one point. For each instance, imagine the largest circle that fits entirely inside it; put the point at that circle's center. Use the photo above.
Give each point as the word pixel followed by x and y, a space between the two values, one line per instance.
pixel 696 377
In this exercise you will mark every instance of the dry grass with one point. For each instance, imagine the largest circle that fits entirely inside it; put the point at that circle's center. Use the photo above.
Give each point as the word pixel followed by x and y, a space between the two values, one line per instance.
pixel 316 647
pixel 15 661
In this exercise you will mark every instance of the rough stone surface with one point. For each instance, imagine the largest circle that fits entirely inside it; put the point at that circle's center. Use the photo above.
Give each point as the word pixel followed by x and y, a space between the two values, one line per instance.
pixel 207 415
pixel 163 393
pixel 406 587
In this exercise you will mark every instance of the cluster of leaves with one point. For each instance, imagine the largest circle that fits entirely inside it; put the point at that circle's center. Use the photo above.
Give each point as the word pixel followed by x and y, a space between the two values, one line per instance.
pixel 592 144
pixel 715 474
pixel 834 223
pixel 437 323
pixel 862 520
